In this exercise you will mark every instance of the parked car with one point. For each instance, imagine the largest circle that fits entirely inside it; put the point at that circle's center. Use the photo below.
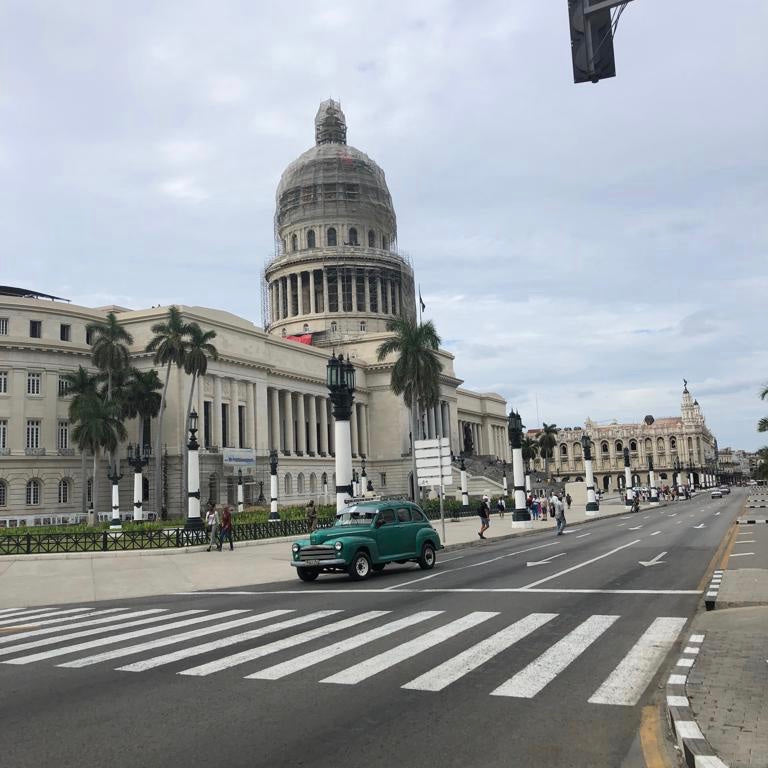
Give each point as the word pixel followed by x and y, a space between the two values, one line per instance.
pixel 364 538
pixel 725 488
pixel 716 493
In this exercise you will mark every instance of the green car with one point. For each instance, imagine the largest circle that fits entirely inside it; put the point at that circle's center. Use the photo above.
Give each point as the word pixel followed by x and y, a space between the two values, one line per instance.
pixel 365 537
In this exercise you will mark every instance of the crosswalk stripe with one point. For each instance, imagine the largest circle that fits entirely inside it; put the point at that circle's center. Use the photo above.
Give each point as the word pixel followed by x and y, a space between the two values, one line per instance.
pixel 280 645
pixel 79 625
pixel 389 658
pixel 122 636
pixel 38 613
pixel 160 615
pixel 539 673
pixel 315 657
pixel 163 641
pixel 222 643
pixel 625 685
pixel 63 619
pixel 455 668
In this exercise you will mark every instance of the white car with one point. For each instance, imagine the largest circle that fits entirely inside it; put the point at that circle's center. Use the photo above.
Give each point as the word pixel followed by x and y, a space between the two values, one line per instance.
pixel 716 493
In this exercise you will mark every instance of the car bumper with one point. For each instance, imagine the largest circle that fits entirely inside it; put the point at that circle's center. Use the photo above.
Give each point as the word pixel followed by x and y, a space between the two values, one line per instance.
pixel 337 562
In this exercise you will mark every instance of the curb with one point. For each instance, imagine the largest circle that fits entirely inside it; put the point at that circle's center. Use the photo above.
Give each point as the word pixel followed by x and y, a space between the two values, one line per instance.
pixel 696 750
pixel 751 522
pixel 714 587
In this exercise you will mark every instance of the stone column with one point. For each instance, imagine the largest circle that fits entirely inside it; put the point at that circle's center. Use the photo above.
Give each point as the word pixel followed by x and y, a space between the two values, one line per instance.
pixel 325 290
pixel 312 444
pixel 280 297
pixel 379 308
pixel 200 410
pixel 391 297
pixel 353 429
pixel 250 417
pixel 216 415
pixel 274 408
pixel 262 439
pixel 323 413
pixel 234 421
pixel 363 429
pixel 331 429
pixel 367 291
pixel 288 417
pixel 299 293
pixel 354 289
pixel 339 289
pixel 430 423
pixel 301 428
pixel 312 302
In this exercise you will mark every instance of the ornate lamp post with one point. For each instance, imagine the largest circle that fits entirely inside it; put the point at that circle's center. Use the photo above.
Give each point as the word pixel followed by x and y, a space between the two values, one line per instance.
pixel 652 483
pixel 691 469
pixel 678 475
pixel 504 478
pixel 261 499
pixel 115 524
pixel 630 494
pixel 138 459
pixel 592 507
pixel 521 517
pixel 274 515
pixel 363 478
pixel 340 379
pixel 194 521
pixel 239 491
pixel 464 491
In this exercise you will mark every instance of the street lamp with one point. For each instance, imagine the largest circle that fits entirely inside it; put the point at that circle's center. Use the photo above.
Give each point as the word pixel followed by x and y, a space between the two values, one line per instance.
pixel 629 498
pixel 592 507
pixel 273 513
pixel 239 491
pixel 340 379
pixel 464 491
pixel 115 524
pixel 363 478
pixel 194 520
pixel 678 465
pixel 138 459
pixel 521 517
pixel 504 477
pixel 652 483
pixel 690 474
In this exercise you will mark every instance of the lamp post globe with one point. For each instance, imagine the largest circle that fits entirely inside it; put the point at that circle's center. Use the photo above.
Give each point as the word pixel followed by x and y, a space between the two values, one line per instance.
pixel 194 520
pixel 521 517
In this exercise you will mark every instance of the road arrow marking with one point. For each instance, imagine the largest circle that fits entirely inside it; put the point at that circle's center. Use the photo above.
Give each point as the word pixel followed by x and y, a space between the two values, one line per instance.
pixel 716 514
pixel 543 562
pixel 636 528
pixel 655 533
pixel 700 525
pixel 656 560
pixel 673 514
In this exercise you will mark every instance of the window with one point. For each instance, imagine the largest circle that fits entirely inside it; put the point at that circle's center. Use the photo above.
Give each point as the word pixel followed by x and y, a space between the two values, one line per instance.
pixel 241 426
pixel 324 481
pixel 417 516
pixel 33 383
pixel 371 239
pixel 311 238
pixel 334 327
pixel 648 445
pixel 225 424
pixel 207 423
pixel 362 325
pixel 33 433
pixel 3 493
pixel 633 446
pixel 300 484
pixel 3 382
pixel 385 242
pixel 62 435
pixel 63 386
pixel 660 444
pixel 383 479
pixel 403 515
pixel 33 493
pixel 3 434
pixel 387 516
pixel 619 446
pixel 35 329
pixel 294 243
pixel 564 450
pixel 88 336
pixel 604 447
pixel 313 484
pixel 306 328
pixel 577 449
pixel 672 444
pixel 353 236
pixel 3 326
pixel 331 236
pixel 288 484
pixel 63 491
pixel 65 332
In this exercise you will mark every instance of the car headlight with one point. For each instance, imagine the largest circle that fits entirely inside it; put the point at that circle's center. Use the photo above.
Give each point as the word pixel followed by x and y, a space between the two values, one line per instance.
pixel 295 547
pixel 338 546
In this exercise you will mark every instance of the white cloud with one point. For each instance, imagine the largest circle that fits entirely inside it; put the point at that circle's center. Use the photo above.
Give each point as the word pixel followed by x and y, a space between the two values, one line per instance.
pixel 183 188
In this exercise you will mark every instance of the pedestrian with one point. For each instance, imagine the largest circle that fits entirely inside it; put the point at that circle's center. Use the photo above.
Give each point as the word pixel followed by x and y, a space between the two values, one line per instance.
pixel 636 504
pixel 544 507
pixel 311 515
pixel 226 528
pixel 559 516
pixel 213 521
pixel 484 512
pixel 568 500
pixel 501 506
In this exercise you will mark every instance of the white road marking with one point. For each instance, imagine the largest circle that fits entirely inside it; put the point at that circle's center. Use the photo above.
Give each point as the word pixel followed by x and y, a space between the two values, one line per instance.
pixel 392 656
pixel 655 533
pixel 117 653
pixel 673 514
pixel 687 729
pixel 696 639
pixel 450 559
pixel 39 613
pixel 539 673
pixel 280 645
pixel 656 560
pixel 741 554
pixel 580 565
pixel 626 517
pixel 48 622
pixel 102 640
pixel 625 685
pixel 155 614
pixel 636 528
pixel 582 535
pixel 620 524
pixel 679 522
pixel 544 562
pixel 685 663
pixel 455 668
pixel 315 657
pixel 447 590
pixel 691 649
pixel 678 701
pixel 699 526
pixel 645 517
pixel 677 679
pixel 223 642
pixel 746 541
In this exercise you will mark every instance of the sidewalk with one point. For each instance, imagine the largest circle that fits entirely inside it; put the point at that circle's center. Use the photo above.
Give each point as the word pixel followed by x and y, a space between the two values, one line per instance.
pixel 30 580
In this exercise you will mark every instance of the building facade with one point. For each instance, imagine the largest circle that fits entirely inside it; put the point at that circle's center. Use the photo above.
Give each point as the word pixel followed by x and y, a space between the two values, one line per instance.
pixel 334 282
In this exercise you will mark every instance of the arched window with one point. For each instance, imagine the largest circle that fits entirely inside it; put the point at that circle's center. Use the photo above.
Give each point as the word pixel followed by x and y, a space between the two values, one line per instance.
pixel 648 445
pixel 660 445
pixel 288 484
pixel 334 327
pixel 564 450
pixel 311 238
pixel 353 236
pixel 3 493
pixel 33 492
pixel 633 446
pixel 672 443
pixel 300 483
pixel 64 491
pixel 313 484
pixel 371 239
pixel 331 236
pixel 619 446
pixel 306 328
pixel 690 444
pixel 663 475
pixel 385 242
pixel 294 243
pixel 284 333
pixel 324 479
pixel 577 449
pixel 604 447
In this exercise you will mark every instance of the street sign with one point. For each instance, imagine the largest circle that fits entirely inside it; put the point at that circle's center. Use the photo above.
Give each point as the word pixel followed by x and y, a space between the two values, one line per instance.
pixel 433 462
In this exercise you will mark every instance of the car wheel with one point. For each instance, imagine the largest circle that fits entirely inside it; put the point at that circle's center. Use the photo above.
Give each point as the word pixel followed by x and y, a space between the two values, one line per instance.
pixel 360 567
pixel 378 567
pixel 427 559
pixel 308 574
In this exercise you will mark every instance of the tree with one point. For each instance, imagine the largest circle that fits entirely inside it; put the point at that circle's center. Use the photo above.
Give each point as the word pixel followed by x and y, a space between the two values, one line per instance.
pixel 98 428
pixel 547 443
pixel 530 451
pixel 416 372
pixel 169 346
pixel 110 347
pixel 81 385
pixel 762 425
pixel 142 399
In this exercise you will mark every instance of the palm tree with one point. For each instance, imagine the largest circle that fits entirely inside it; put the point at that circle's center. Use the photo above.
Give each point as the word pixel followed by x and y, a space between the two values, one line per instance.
pixel 81 385
pixel 98 428
pixel 142 399
pixel 110 347
pixel 547 442
pixel 762 425
pixel 530 450
pixel 169 345
pixel 416 372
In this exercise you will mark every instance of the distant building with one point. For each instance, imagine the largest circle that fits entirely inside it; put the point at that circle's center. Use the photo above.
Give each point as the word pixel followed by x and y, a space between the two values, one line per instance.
pixel 736 465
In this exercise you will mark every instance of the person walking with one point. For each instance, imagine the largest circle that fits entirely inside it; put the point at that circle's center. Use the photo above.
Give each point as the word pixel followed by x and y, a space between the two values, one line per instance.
pixel 226 528
pixel 213 520
pixel 484 512
pixel 311 515
pixel 568 500
pixel 501 506
pixel 559 515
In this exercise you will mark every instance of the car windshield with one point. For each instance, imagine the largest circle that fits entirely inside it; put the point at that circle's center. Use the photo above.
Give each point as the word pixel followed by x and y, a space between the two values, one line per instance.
pixel 356 516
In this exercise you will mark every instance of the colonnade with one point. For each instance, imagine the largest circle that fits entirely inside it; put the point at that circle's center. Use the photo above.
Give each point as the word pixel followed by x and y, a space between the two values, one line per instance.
pixel 437 420
pixel 487 438
pixel 335 289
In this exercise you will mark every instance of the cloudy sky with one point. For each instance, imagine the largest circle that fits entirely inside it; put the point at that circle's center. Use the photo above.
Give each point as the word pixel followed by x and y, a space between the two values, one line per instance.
pixel 580 247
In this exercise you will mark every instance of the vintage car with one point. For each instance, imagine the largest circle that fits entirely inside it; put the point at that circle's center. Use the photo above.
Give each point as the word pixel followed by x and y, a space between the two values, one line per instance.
pixel 364 538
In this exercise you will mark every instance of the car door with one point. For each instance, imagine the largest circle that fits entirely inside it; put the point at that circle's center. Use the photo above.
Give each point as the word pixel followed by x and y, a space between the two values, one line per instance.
pixel 387 534
pixel 408 530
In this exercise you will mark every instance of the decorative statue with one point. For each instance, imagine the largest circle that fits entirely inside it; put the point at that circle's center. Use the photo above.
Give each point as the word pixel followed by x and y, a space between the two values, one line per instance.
pixel 469 443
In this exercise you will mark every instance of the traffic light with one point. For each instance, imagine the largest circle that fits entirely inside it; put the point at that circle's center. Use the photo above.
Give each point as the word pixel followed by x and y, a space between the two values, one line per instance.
pixel 591 40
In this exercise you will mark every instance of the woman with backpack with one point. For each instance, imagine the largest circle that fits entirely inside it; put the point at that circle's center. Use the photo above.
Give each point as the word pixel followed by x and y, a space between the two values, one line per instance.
pixel 484 512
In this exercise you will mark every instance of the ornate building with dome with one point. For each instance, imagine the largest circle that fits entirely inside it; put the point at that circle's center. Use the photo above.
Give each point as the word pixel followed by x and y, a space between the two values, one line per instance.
pixel 335 280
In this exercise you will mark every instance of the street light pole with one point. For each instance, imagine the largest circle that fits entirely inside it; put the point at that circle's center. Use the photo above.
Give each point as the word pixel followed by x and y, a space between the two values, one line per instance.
pixel 652 483
pixel 239 491
pixel 138 459
pixel 521 517
pixel 504 478
pixel 115 523
pixel 592 507
pixel 340 379
pixel 273 513
pixel 464 492
pixel 363 478
pixel 194 520
pixel 630 494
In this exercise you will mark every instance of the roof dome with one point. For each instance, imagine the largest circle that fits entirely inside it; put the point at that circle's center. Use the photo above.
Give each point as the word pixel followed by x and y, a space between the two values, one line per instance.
pixel 333 181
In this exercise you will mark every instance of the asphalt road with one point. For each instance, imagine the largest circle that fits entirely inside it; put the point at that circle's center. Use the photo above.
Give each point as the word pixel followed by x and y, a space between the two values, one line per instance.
pixel 536 651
